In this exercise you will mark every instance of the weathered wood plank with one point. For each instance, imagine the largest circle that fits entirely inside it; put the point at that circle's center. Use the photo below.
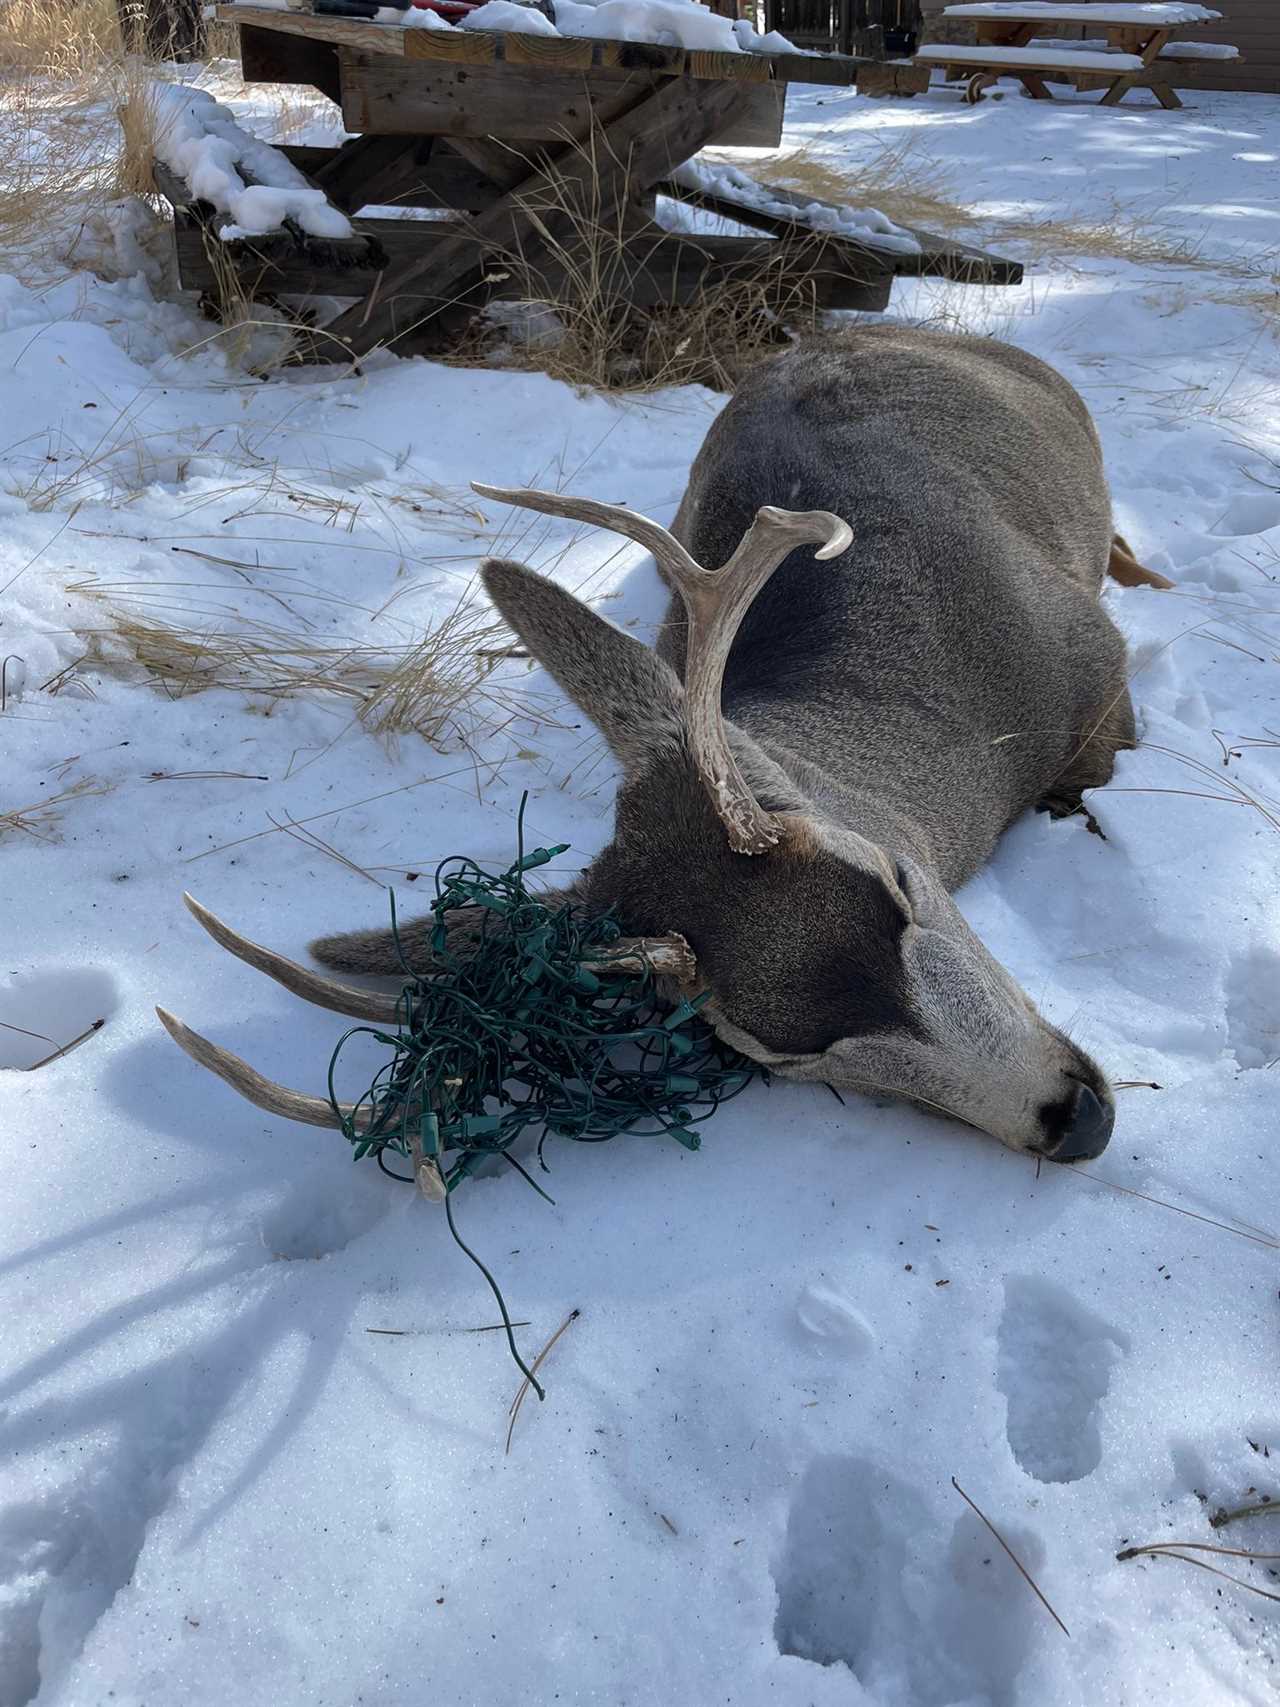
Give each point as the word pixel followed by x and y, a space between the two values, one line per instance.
pixel 640 56
pixel 758 123
pixel 394 97
pixel 738 67
pixel 662 269
pixel 268 56
pixel 939 257
pixel 892 77
pixel 456 47
pixel 342 32
pixel 394 171
pixel 548 53
pixel 266 269
pixel 800 68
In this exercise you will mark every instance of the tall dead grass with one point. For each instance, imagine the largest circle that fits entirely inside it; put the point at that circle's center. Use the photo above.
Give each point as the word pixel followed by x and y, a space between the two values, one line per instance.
pixel 435 686
pixel 74 126
pixel 591 312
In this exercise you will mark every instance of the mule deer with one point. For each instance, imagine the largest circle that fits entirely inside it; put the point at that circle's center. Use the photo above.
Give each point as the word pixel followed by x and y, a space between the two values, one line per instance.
pixel 904 650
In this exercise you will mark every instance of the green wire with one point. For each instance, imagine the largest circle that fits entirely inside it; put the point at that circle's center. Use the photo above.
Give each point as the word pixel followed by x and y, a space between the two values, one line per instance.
pixel 519 1035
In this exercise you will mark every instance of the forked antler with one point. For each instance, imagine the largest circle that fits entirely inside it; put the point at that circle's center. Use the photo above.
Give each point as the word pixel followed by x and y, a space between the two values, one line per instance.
pixel 668 956
pixel 716 602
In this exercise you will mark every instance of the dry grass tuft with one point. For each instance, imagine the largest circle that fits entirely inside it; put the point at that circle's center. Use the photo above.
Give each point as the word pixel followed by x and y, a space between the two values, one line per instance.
pixel 433 687
pixel 586 312
pixel 39 818
pixel 135 114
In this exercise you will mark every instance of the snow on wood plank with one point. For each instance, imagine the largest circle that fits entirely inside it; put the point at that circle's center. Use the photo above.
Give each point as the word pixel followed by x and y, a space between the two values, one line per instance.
pixel 863 224
pixel 248 181
pixel 1160 14
pixel 1171 50
pixel 1030 58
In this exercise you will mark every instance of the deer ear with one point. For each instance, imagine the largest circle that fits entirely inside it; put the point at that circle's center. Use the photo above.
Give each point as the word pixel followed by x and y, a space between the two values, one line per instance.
pixel 628 692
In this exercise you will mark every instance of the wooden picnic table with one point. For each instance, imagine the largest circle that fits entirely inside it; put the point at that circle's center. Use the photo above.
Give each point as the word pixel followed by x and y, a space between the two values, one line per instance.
pixel 1136 49
pixel 509 139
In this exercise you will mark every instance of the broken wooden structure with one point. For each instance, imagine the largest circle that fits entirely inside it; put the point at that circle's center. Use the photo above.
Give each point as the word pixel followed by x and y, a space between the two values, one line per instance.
pixel 499 148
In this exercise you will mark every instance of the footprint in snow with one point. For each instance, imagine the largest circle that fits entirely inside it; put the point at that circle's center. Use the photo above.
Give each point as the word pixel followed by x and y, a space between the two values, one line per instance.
pixel 43 1012
pixel 1253 1008
pixel 864 1581
pixel 1054 1368
pixel 317 1219
pixel 1255 512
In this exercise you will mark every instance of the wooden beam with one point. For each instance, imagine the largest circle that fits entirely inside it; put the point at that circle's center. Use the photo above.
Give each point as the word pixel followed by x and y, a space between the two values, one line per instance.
pixel 640 56
pixel 452 47
pixel 359 252
pixel 548 53
pixel 661 269
pixel 800 68
pixel 738 67
pixel 939 257
pixel 892 77
pixel 396 97
pixel 394 171
pixel 267 56
pixel 342 32
pixel 265 269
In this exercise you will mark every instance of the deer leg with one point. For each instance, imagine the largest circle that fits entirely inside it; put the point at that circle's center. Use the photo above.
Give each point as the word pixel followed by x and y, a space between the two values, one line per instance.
pixel 1091 764
pixel 1123 566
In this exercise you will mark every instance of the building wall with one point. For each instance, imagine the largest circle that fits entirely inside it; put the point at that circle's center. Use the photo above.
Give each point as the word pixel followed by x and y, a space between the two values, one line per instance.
pixel 1251 25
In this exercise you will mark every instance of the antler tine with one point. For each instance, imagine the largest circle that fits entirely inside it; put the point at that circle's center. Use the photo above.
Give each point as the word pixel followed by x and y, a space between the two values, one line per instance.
pixel 715 603
pixel 652 535
pixel 263 1093
pixel 668 956
pixel 324 992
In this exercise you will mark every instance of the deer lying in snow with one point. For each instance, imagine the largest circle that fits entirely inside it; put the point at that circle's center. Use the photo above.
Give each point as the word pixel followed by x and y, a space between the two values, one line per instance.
pixel 904 650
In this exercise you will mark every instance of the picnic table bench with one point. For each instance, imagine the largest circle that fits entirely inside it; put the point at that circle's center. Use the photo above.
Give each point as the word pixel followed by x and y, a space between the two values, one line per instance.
pixel 1135 49
pixel 489 141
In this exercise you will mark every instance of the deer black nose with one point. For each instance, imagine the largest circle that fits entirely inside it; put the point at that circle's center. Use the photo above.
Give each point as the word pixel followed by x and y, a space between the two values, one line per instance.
pixel 1087 1130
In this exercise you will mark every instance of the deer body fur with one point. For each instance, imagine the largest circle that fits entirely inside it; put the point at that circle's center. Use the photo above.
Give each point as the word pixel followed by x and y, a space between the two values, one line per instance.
pixel 889 712
pixel 955 666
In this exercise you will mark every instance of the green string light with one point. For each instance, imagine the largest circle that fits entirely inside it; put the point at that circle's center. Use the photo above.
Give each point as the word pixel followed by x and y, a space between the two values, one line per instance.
pixel 516 1033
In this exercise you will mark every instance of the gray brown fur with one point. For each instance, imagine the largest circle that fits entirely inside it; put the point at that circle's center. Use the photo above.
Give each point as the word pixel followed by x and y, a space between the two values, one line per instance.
pixel 899 705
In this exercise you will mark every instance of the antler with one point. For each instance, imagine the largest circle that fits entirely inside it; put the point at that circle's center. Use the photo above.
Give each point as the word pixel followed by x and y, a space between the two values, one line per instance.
pixel 379 1005
pixel 278 1099
pixel 716 602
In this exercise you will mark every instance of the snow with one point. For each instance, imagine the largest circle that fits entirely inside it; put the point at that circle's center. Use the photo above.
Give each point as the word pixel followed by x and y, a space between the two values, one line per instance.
pixel 1165 14
pixel 218 1485
pixel 863 223
pixel 1171 50
pixel 1074 58
pixel 503 15
pixel 201 142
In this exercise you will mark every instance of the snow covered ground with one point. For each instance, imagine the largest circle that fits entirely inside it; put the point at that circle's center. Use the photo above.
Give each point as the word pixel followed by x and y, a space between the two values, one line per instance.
pixel 219 1484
